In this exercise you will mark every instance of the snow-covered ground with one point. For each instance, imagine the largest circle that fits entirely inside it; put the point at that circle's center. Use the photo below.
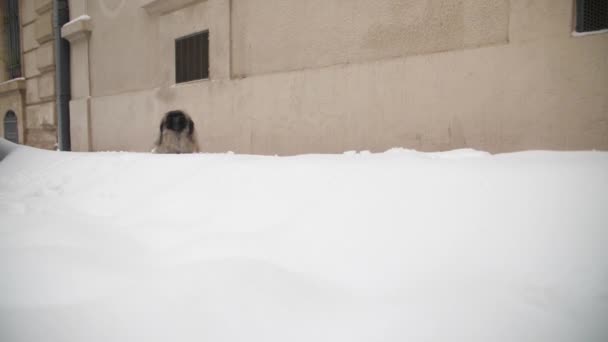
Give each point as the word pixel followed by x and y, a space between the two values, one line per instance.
pixel 398 246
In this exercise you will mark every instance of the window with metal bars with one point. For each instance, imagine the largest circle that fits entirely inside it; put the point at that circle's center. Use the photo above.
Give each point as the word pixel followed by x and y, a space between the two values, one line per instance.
pixel 10 127
pixel 591 15
pixel 13 41
pixel 192 57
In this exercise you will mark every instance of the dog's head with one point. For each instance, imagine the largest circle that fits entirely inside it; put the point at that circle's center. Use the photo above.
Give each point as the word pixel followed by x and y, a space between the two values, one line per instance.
pixel 176 134
pixel 177 121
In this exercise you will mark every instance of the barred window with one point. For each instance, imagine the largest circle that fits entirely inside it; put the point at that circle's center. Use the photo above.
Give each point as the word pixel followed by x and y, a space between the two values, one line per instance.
pixel 591 15
pixel 13 46
pixel 10 127
pixel 192 57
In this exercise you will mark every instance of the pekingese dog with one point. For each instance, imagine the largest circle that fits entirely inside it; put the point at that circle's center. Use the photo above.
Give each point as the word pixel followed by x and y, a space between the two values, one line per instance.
pixel 177 134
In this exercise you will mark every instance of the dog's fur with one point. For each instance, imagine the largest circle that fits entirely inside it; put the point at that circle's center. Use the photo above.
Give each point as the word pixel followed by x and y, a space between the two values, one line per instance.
pixel 177 134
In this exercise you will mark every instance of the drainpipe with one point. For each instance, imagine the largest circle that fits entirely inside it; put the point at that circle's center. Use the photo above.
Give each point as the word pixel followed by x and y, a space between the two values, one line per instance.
pixel 61 15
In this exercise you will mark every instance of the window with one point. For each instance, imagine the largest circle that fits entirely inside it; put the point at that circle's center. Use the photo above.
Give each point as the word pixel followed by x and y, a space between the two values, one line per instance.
pixel 192 57
pixel 591 15
pixel 13 49
pixel 10 127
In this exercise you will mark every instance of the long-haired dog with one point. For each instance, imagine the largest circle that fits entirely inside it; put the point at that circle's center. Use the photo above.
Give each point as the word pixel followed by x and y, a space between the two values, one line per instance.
pixel 177 134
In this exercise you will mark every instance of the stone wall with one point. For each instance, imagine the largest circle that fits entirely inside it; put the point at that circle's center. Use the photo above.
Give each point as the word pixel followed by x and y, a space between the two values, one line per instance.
pixel 39 71
pixel 12 92
pixel 3 46
pixel 11 99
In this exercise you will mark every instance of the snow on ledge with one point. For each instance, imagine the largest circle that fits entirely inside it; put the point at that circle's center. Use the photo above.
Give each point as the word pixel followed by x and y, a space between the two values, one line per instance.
pixel 582 34
pixel 17 79
pixel 161 7
pixel 77 29
pixel 12 85
pixel 83 17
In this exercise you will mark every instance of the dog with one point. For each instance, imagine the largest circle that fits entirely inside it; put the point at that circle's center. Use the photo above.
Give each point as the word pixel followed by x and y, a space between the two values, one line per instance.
pixel 177 134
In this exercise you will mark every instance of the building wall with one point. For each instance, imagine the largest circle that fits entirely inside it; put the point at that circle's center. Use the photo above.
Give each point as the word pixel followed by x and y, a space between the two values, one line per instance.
pixel 12 92
pixel 3 46
pixel 39 70
pixel 280 35
pixel 11 99
pixel 292 77
pixel 32 97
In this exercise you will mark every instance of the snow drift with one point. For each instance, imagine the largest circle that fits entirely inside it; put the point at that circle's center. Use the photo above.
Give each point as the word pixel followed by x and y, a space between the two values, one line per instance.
pixel 398 246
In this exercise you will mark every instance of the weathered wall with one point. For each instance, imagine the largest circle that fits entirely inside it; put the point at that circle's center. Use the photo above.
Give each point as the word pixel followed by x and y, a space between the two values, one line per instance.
pixel 280 35
pixel 132 50
pixel 11 99
pixel 124 51
pixel 3 46
pixel 32 98
pixel 38 62
pixel 506 76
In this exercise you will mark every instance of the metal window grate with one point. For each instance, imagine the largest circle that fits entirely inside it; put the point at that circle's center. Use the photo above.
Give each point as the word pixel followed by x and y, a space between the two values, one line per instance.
pixel 591 15
pixel 10 127
pixel 13 49
pixel 192 57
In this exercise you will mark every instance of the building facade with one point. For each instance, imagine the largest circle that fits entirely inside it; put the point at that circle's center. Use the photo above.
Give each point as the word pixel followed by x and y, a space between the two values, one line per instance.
pixel 27 91
pixel 320 76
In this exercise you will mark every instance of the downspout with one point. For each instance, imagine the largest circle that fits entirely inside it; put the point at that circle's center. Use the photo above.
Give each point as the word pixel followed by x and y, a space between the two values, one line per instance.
pixel 61 15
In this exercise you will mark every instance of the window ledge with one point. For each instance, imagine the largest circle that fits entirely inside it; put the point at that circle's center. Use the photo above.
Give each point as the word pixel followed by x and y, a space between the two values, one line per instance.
pixel 189 83
pixel 77 29
pixel 588 33
pixel 160 7
pixel 12 85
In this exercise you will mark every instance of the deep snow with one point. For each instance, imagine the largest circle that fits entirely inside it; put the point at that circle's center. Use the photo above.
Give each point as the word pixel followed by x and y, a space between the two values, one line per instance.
pixel 398 246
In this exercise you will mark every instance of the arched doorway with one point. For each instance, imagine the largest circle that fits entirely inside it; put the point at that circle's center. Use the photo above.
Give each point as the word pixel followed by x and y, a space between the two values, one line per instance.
pixel 11 132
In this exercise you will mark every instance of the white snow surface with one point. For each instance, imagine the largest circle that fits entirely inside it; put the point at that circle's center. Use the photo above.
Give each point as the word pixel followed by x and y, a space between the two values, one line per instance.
pixel 588 33
pixel 396 246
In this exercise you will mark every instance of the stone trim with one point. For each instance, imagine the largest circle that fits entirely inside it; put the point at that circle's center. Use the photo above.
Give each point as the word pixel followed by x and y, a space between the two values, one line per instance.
pixel 29 42
pixel 45 57
pixel 44 27
pixel 12 85
pixel 43 6
pixel 160 7
pixel 77 30
pixel 46 86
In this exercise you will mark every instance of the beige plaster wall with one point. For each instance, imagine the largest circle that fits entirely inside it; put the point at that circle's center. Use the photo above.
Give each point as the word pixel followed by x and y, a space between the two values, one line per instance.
pixel 131 50
pixel 279 35
pixel 503 76
pixel 124 47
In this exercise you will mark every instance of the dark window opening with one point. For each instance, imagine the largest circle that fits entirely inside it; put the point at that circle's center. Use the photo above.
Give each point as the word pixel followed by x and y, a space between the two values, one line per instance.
pixel 10 127
pixel 13 46
pixel 591 15
pixel 192 57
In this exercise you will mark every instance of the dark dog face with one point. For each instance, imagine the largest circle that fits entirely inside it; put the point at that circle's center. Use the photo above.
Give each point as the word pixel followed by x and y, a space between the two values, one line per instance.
pixel 177 121
pixel 176 134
